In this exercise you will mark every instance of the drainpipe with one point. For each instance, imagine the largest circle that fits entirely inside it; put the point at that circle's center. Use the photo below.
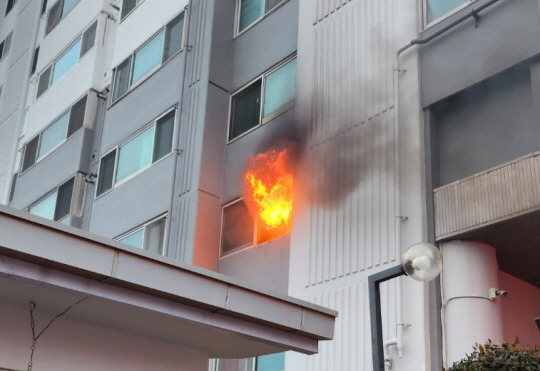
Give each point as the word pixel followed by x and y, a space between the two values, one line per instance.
pixel 400 218
pixel 178 151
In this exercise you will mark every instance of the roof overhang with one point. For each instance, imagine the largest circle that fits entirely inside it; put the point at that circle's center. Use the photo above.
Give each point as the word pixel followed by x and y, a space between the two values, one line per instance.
pixel 57 265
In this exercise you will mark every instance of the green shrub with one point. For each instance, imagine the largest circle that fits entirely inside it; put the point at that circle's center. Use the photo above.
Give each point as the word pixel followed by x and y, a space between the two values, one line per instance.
pixel 507 357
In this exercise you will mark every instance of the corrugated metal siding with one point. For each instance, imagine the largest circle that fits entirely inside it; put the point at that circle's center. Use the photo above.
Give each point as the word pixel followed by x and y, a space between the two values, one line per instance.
pixel 488 197
pixel 355 232
pixel 353 70
pixel 199 17
pixel 351 347
pixel 352 119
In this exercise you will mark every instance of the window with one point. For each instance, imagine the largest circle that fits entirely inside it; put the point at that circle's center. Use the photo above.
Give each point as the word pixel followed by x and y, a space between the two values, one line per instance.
pixel 43 7
pixel 34 61
pixel 265 98
pixel 12 188
pixel 59 11
pixel 128 6
pixel 139 152
pixel 67 60
pixel 250 11
pixel 10 4
pixel 149 236
pixel 240 230
pixel 5 45
pixel 435 9
pixel 56 204
pixel 271 362
pixel 55 134
pixel 154 52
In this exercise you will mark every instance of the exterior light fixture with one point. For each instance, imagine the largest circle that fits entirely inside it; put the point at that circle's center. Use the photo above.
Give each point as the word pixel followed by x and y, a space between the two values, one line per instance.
pixel 422 262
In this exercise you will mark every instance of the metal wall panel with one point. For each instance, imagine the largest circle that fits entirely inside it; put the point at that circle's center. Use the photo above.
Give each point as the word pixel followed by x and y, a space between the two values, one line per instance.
pixel 23 32
pixel 485 198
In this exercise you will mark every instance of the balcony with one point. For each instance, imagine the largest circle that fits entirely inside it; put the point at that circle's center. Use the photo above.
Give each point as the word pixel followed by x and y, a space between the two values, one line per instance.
pixel 500 206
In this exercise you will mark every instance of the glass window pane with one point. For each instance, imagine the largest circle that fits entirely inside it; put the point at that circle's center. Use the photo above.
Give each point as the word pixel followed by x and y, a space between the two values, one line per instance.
pixel 271 362
pixel 154 235
pixel 2 49
pixel 9 6
pixel 54 135
pixel 135 154
pixel 121 79
pixel 44 80
pixel 55 13
pixel 270 4
pixel 250 11
pixel 45 208
pixel 12 188
pixel 148 57
pixel 246 109
pixel 76 116
pixel 88 38
pixel 63 201
pixel 127 6
pixel 30 151
pixel 135 239
pixel 438 8
pixel 106 173
pixel 34 60
pixel 7 44
pixel 66 61
pixel 164 136
pixel 173 37
pixel 237 227
pixel 280 88
pixel 68 5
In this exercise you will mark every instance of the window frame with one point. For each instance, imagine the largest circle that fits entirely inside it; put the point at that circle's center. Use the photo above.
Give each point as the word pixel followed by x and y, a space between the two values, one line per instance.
pixel 38 159
pixel 266 12
pixel 131 86
pixel 138 2
pixel 262 120
pixel 3 53
pixel 62 14
pixel 428 24
pixel 52 65
pixel 143 227
pixel 116 149
pixel 56 189
pixel 255 241
pixel 9 7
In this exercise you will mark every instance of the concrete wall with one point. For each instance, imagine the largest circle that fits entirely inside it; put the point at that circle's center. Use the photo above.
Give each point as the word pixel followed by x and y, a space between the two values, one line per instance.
pixel 507 34
pixel 74 344
pixel 483 126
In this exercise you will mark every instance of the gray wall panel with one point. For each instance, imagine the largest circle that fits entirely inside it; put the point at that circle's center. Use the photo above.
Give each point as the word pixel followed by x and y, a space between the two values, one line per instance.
pixel 142 104
pixel 256 50
pixel 134 202
pixel 486 125
pixel 52 170
pixel 507 33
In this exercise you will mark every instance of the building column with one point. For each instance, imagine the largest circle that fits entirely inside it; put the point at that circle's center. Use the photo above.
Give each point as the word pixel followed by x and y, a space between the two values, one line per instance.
pixel 468 315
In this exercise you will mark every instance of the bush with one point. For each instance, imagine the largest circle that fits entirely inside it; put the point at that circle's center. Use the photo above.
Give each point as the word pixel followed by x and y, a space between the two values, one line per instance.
pixel 507 357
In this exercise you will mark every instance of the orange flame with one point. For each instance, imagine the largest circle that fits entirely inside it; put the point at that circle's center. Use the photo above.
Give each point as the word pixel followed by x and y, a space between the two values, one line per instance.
pixel 269 187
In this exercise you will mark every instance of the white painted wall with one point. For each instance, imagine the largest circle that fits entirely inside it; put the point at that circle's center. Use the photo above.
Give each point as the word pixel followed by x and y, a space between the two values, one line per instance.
pixel 142 23
pixel 359 176
pixel 72 344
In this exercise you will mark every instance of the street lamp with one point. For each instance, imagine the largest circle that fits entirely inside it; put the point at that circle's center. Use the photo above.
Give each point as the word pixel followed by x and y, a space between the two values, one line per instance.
pixel 422 262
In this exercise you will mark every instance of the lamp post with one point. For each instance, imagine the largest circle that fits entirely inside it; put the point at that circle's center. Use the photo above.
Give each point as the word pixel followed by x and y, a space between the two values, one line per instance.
pixel 422 262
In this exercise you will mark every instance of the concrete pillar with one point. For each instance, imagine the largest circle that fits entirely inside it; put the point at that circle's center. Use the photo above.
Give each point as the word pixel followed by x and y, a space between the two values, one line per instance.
pixel 468 316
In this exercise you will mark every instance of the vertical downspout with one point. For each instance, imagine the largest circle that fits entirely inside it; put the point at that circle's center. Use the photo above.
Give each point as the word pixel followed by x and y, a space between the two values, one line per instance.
pixel 177 151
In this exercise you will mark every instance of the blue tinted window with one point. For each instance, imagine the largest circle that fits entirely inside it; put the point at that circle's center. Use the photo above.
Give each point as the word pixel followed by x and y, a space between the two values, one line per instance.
pixel 53 135
pixel 280 88
pixel 46 207
pixel 148 57
pixel 66 61
pixel 135 154
pixel 438 8
pixel 134 239
pixel 250 11
pixel 271 362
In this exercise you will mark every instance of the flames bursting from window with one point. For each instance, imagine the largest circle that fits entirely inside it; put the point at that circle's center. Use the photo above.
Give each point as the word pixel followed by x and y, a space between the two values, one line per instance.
pixel 269 183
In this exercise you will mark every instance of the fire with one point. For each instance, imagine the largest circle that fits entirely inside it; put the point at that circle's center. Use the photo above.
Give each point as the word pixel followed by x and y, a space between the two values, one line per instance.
pixel 269 183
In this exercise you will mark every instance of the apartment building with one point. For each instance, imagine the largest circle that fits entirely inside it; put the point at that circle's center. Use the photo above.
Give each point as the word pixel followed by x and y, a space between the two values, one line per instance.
pixel 388 123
